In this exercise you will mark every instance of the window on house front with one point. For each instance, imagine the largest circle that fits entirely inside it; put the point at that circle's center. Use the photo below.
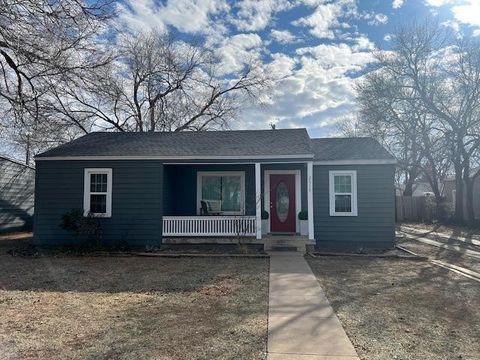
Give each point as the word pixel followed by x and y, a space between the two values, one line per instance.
pixel 224 192
pixel 343 193
pixel 97 197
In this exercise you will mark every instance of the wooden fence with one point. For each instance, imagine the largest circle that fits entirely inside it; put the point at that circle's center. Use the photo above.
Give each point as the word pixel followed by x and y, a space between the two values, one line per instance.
pixel 409 208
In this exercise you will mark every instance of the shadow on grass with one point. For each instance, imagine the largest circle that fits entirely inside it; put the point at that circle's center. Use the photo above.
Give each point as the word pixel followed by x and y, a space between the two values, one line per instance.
pixel 121 274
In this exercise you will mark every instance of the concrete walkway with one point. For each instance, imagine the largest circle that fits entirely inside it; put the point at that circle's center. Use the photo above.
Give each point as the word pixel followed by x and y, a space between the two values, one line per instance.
pixel 301 322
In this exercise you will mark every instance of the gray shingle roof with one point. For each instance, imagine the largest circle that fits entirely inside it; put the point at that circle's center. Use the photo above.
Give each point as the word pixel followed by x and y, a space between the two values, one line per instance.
pixel 328 149
pixel 242 143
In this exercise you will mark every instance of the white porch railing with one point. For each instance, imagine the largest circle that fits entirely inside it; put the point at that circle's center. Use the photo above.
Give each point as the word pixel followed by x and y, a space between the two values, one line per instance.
pixel 209 226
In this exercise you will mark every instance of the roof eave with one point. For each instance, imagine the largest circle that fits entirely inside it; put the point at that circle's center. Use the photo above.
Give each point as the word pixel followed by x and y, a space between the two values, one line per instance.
pixel 179 158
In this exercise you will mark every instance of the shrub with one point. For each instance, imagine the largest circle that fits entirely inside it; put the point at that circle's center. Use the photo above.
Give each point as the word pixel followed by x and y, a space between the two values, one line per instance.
pixel 88 226
pixel 303 215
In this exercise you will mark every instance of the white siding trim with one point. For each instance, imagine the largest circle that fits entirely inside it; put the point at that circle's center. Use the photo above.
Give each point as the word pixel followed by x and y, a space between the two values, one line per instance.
pixel 355 162
pixel 86 190
pixel 353 174
pixel 222 173
pixel 311 235
pixel 298 194
pixel 258 201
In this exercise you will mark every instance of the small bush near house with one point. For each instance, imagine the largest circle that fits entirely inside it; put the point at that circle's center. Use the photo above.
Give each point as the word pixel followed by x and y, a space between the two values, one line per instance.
pixel 303 215
pixel 82 226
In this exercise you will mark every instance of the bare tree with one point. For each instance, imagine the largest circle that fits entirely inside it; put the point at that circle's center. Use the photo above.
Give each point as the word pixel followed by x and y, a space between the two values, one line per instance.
pixel 161 84
pixel 43 43
pixel 438 76
pixel 351 126
pixel 391 115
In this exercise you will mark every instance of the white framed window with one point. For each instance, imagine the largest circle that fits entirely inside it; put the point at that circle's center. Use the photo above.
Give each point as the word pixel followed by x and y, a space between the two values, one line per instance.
pixel 223 191
pixel 97 192
pixel 343 193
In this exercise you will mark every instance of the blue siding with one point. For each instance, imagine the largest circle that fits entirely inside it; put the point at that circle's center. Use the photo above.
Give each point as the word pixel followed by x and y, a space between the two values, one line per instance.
pixel 136 200
pixel 17 183
pixel 374 227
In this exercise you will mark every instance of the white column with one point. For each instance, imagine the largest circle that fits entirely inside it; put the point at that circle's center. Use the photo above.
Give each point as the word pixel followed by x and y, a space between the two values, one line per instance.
pixel 258 201
pixel 310 199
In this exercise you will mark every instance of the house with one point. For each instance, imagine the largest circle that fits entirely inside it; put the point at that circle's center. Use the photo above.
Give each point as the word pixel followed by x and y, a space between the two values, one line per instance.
pixel 421 188
pixel 153 188
pixel 17 184
pixel 450 192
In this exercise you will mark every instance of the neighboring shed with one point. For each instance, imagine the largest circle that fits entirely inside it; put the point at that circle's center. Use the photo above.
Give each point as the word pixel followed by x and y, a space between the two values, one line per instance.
pixel 17 185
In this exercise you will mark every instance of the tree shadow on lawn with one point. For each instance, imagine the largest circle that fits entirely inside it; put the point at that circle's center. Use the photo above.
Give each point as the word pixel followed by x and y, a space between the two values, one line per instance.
pixel 402 308
pixel 124 274
pixel 100 307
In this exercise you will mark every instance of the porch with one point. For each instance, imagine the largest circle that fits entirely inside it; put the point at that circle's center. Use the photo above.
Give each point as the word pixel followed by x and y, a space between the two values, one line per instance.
pixel 231 201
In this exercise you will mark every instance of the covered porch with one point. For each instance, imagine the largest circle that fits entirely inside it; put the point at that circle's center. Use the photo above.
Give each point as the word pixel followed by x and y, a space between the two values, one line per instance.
pixel 229 201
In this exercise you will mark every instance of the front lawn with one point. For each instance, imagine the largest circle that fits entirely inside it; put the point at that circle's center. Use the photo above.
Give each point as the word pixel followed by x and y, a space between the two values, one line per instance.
pixel 469 232
pixel 133 308
pixel 402 309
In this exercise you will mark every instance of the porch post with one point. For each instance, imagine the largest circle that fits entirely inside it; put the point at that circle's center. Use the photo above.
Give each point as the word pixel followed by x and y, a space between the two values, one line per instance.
pixel 310 199
pixel 258 201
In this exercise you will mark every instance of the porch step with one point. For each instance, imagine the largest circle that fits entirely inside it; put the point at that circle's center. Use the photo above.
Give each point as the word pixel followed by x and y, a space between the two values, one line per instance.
pixel 286 243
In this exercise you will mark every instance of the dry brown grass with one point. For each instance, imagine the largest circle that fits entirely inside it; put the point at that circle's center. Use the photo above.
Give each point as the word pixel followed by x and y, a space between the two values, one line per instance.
pixel 403 309
pixel 133 308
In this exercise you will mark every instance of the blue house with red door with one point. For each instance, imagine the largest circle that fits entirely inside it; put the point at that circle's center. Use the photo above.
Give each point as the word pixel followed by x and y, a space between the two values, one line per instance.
pixel 153 188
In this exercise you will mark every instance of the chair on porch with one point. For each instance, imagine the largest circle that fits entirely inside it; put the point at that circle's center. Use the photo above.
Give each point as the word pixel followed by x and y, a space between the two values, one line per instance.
pixel 210 207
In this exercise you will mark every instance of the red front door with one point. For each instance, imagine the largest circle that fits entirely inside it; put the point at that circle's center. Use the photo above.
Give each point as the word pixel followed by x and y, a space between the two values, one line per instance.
pixel 282 203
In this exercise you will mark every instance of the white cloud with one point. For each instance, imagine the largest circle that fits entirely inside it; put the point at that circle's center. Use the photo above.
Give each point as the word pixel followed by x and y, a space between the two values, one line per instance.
pixel 235 51
pixel 397 4
pixel 185 15
pixel 387 37
pixel 283 36
pixel 438 3
pixel 254 15
pixel 374 18
pixel 476 32
pixel 363 43
pixel 466 11
pixel 315 87
pixel 452 24
pixel 326 18
pixel 468 14
pixel 378 19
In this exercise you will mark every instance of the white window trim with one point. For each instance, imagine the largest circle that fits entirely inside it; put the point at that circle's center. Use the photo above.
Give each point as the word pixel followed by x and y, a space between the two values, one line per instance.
pixel 353 175
pixel 200 174
pixel 87 193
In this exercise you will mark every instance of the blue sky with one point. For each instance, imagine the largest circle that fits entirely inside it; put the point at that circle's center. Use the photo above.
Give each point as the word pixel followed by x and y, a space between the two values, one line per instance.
pixel 318 48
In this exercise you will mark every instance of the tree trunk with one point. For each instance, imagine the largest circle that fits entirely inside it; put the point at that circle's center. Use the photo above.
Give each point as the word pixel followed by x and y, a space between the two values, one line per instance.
pixel 408 191
pixel 470 215
pixel 458 194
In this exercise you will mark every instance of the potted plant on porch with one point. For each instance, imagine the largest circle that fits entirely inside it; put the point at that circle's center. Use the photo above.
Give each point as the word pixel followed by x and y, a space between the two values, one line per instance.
pixel 265 217
pixel 303 217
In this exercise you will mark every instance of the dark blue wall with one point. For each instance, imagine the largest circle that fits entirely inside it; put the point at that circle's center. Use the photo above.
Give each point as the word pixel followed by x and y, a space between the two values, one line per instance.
pixel 374 227
pixel 136 201
pixel 17 183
